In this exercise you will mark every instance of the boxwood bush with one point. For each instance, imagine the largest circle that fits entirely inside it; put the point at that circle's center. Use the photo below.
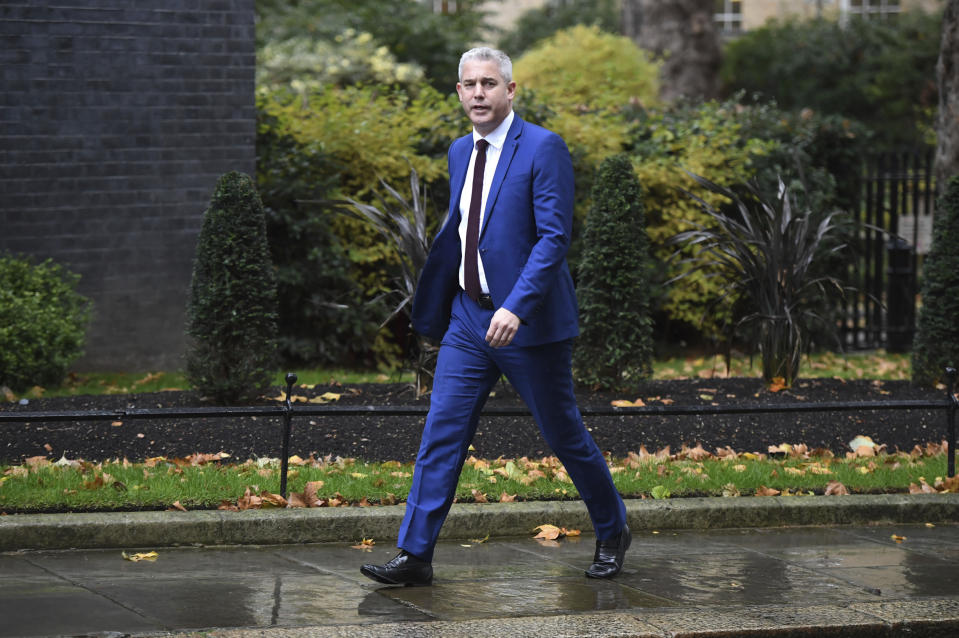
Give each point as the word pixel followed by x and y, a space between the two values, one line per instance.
pixel 43 322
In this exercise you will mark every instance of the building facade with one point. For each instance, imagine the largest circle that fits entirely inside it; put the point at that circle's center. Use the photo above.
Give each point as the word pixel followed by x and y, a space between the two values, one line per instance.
pixel 116 119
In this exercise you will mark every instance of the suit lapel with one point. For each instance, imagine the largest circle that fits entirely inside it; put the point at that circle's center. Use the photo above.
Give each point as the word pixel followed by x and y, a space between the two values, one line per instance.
pixel 502 167
pixel 458 173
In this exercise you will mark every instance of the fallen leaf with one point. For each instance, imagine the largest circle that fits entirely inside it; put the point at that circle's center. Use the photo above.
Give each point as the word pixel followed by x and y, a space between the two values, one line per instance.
pixel 507 498
pixel 136 558
pixel 365 544
pixel 177 506
pixel 117 424
pixel 835 488
pixel 777 384
pixel 898 538
pixel 767 491
pixel 625 403
pixel 479 497
pixel 326 397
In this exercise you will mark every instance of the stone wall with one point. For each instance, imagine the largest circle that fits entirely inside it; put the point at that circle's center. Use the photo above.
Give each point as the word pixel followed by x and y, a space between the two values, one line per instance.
pixel 116 119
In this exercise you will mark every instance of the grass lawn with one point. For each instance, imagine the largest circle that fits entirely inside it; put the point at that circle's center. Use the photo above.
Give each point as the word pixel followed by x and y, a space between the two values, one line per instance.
pixel 209 481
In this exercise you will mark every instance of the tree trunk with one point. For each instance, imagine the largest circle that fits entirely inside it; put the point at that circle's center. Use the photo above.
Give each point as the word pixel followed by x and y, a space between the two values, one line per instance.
pixel 947 75
pixel 683 35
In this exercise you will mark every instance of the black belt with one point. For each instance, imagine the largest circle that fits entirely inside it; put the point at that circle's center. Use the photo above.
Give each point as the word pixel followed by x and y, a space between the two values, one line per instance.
pixel 485 302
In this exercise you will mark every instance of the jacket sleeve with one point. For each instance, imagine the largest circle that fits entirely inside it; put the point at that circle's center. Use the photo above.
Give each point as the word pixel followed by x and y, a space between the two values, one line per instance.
pixel 552 210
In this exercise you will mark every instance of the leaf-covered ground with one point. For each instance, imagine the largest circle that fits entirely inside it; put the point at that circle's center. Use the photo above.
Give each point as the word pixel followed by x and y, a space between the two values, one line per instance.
pixel 381 438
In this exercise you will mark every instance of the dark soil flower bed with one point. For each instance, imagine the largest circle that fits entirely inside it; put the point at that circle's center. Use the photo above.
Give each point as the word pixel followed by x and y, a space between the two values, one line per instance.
pixel 382 438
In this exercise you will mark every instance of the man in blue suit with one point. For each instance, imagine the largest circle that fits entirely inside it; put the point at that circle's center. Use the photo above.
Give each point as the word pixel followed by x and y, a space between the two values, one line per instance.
pixel 497 292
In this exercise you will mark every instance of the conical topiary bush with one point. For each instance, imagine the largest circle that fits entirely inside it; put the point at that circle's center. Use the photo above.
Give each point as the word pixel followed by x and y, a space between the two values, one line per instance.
pixel 232 308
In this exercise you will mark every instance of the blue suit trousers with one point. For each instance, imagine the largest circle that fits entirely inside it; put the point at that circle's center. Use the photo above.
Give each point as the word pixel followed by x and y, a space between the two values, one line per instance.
pixel 466 370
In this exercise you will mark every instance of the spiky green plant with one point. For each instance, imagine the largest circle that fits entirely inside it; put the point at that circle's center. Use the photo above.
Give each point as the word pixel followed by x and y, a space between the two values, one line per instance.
pixel 768 254
pixel 403 224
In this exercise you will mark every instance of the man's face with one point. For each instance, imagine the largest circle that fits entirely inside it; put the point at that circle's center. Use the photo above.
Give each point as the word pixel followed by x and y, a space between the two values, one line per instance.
pixel 486 98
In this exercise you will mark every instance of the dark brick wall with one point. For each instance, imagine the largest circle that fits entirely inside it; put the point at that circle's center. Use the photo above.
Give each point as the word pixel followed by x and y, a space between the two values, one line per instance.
pixel 116 119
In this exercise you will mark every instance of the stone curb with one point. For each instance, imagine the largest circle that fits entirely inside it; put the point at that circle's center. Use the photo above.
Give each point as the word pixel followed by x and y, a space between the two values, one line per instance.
pixel 466 520
pixel 917 619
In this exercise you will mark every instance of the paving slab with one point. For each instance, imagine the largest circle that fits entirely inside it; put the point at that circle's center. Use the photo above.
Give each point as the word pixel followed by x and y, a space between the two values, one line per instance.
pixel 782 582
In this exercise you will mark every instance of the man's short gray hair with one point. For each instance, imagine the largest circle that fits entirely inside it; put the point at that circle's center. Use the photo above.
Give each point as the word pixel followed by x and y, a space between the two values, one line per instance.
pixel 486 53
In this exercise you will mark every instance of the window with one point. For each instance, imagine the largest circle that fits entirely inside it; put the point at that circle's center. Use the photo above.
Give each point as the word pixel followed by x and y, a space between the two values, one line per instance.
pixel 729 16
pixel 880 9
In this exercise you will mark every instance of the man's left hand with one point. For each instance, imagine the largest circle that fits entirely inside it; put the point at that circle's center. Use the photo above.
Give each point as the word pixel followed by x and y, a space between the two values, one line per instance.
pixel 502 328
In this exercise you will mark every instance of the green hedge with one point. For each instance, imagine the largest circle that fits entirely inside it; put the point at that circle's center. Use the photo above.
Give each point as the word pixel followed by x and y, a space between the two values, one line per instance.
pixel 43 322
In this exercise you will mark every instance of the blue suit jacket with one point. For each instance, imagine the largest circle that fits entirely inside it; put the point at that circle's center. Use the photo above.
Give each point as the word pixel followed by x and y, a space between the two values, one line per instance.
pixel 523 242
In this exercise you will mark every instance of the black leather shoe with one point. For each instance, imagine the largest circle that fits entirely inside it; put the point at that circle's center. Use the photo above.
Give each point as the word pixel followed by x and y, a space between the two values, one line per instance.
pixel 610 554
pixel 403 569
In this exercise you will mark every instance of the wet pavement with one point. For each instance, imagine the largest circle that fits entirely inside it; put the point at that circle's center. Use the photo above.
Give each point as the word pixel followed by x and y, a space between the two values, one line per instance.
pixel 800 581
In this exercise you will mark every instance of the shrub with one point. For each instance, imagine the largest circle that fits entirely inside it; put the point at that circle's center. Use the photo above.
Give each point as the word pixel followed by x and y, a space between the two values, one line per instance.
pixel 768 256
pixel 332 269
pixel 403 225
pixel 937 334
pixel 540 23
pixel 706 138
pixel 615 346
pixel 589 78
pixel 879 72
pixel 232 307
pixel 43 322
pixel 322 315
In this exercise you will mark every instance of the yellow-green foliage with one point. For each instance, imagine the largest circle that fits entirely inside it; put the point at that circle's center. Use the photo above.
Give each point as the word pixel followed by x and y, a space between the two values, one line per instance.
pixel 705 140
pixel 372 133
pixel 586 77
pixel 307 64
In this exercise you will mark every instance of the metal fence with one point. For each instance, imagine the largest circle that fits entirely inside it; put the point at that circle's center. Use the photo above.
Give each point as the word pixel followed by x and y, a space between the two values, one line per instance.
pixel 893 221
pixel 948 404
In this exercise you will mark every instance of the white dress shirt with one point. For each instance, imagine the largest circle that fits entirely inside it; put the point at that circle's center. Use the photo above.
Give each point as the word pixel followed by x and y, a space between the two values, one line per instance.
pixel 496 141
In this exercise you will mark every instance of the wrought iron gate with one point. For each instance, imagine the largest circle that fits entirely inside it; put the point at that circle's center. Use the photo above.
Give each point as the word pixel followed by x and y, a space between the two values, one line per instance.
pixel 893 224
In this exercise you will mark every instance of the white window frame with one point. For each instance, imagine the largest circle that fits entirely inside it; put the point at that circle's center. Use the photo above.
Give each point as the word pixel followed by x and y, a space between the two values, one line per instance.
pixel 726 18
pixel 866 9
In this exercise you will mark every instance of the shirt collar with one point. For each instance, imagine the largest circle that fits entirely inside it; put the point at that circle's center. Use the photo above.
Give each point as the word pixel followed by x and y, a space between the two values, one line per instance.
pixel 497 138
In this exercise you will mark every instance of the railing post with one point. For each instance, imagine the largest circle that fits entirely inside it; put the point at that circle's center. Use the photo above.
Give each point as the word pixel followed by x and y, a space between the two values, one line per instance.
pixel 951 416
pixel 287 428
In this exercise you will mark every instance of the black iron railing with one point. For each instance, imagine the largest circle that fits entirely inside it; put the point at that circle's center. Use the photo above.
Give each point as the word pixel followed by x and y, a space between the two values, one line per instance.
pixel 949 404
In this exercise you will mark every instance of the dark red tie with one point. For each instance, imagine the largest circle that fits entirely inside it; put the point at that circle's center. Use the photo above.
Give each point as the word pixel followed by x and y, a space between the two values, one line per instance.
pixel 470 266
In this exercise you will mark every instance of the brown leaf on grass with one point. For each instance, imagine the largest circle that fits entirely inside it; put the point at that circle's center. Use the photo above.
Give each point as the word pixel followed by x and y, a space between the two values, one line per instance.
pixel 479 497
pixel 389 499
pixel 203 459
pixel 950 484
pixel 507 498
pixel 17 472
pixel 767 491
pixel 835 488
pixel 309 492
pixel 272 500
pixel 363 502
pixel 296 500
pixel 35 462
pixel 177 507
pixel 922 488
pixel 336 501
pixel 696 454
